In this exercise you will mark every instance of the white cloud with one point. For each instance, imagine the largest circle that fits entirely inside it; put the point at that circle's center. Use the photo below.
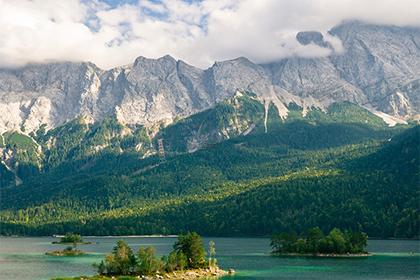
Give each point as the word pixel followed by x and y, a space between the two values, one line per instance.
pixel 199 32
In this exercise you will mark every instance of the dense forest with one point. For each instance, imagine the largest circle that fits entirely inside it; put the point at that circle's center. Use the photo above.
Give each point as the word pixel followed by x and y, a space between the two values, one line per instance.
pixel 343 169
pixel 371 186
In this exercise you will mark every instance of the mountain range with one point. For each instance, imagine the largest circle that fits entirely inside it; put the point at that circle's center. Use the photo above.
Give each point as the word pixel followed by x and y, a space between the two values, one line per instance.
pixel 377 67
pixel 160 146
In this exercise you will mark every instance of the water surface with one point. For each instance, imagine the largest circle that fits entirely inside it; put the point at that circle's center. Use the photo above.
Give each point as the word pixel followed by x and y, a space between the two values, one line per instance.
pixel 24 259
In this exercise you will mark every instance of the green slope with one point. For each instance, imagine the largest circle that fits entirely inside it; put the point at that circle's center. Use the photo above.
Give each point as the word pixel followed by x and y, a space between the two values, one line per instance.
pixel 343 167
pixel 291 178
pixel 80 141
pixel 6 177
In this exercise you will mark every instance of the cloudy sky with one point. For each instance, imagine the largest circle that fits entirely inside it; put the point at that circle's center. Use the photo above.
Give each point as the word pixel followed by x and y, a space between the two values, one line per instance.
pixel 115 32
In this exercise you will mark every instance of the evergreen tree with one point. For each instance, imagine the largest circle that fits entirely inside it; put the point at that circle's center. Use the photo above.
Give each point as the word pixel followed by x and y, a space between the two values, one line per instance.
pixel 120 262
pixel 147 262
pixel 284 242
pixel 357 241
pixel 175 261
pixel 191 246
pixel 314 236
pixel 334 242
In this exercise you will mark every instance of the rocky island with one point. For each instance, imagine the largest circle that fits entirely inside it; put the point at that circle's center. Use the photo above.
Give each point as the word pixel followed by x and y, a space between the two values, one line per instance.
pixel 67 252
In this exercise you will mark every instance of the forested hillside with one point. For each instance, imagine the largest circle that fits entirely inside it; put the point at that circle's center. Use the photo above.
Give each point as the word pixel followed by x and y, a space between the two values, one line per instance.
pixel 80 140
pixel 301 173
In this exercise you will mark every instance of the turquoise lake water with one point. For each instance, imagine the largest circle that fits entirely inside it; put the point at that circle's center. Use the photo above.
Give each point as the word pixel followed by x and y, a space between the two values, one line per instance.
pixel 24 259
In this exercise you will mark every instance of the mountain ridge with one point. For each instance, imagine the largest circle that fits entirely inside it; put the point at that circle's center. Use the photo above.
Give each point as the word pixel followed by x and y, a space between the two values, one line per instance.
pixel 27 155
pixel 370 73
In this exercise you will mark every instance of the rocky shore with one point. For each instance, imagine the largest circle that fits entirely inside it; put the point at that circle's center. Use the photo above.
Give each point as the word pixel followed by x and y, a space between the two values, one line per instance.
pixel 71 243
pixel 191 274
pixel 176 275
pixel 64 253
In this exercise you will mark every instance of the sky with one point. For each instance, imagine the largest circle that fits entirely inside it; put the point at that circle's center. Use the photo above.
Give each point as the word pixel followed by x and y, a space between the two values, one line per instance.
pixel 110 33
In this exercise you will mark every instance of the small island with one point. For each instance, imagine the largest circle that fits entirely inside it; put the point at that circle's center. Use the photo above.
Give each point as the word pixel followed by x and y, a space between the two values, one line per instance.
pixel 70 251
pixel 186 261
pixel 315 243
pixel 71 238
pixel 67 252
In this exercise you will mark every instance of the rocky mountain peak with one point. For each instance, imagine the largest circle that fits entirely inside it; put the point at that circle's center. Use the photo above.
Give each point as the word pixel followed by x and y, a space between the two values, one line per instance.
pixel 379 69
pixel 163 64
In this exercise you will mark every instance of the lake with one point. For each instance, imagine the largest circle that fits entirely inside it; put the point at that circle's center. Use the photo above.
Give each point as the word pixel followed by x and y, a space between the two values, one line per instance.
pixel 24 259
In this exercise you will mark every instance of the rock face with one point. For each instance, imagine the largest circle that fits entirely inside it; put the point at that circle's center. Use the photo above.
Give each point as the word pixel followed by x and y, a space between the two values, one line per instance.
pixel 379 69
pixel 384 62
pixel 314 37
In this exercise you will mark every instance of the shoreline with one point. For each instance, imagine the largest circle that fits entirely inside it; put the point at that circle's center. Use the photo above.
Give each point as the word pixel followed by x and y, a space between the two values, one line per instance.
pixel 71 243
pixel 63 253
pixel 174 236
pixel 108 236
pixel 362 255
pixel 175 275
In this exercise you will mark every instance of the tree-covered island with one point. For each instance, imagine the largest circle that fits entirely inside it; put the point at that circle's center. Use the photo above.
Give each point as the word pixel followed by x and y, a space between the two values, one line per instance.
pixel 187 260
pixel 71 238
pixel 315 243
